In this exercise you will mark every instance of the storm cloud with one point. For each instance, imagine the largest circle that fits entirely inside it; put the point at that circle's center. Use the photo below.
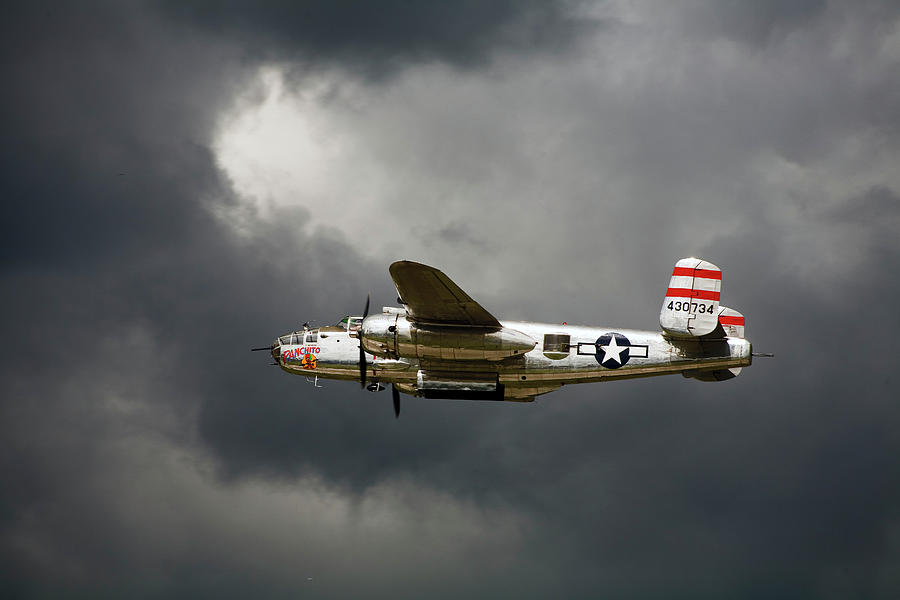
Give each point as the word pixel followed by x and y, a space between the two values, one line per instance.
pixel 183 181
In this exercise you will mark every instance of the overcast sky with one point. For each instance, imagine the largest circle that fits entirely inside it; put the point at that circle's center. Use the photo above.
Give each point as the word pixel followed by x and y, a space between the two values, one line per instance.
pixel 184 180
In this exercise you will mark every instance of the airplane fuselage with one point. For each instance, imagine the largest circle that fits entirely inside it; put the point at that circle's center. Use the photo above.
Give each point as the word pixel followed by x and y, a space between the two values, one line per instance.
pixel 444 344
pixel 515 362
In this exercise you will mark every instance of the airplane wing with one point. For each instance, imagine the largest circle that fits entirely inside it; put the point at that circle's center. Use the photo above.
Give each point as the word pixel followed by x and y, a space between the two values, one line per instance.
pixel 431 297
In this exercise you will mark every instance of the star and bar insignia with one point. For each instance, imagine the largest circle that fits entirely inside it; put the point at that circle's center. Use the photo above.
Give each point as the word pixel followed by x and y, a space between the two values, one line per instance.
pixel 613 350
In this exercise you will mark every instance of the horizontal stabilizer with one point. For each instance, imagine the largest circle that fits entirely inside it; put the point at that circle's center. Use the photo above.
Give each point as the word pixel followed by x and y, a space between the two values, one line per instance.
pixel 691 305
pixel 716 375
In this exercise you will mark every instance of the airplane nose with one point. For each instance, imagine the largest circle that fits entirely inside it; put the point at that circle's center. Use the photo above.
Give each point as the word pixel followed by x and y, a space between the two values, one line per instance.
pixel 276 351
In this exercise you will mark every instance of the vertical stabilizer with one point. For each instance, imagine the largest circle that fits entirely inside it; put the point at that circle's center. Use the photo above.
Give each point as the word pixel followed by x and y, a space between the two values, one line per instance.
pixel 732 322
pixel 691 305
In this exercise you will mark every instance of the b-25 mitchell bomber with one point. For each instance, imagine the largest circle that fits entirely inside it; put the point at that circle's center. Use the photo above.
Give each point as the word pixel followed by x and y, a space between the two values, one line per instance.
pixel 443 344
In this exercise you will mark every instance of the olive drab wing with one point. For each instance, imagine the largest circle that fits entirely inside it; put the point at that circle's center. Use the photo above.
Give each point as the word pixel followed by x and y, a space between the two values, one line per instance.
pixel 431 297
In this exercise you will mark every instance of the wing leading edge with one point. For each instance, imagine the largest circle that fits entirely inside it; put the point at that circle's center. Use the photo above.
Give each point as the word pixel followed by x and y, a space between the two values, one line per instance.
pixel 431 297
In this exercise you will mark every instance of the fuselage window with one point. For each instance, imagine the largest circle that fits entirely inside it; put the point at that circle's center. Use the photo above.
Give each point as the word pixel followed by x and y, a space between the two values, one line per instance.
pixel 556 345
pixel 312 336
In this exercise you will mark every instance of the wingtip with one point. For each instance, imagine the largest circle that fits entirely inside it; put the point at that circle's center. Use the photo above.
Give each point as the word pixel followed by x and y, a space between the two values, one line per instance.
pixel 406 262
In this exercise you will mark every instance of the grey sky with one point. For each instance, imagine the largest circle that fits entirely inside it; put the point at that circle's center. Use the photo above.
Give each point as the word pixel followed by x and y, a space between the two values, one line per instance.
pixel 554 159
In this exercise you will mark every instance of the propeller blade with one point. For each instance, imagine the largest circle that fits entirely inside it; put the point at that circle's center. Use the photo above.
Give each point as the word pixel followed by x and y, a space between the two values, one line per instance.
pixel 362 351
pixel 362 366
pixel 396 394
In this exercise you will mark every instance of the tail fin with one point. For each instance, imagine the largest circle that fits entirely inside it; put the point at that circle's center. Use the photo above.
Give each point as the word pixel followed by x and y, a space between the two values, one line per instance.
pixel 691 305
pixel 732 322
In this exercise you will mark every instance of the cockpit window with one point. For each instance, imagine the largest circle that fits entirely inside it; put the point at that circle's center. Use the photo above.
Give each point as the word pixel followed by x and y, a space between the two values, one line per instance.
pixel 350 323
pixel 284 340
pixel 312 336
pixel 556 345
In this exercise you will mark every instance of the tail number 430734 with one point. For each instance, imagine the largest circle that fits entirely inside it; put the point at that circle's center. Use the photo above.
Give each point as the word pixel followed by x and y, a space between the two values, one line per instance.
pixel 694 307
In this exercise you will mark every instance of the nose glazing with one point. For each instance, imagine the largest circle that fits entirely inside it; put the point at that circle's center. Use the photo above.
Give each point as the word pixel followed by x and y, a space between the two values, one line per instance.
pixel 276 350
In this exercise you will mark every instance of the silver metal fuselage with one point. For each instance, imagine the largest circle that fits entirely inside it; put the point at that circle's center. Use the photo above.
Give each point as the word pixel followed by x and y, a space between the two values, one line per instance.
pixel 520 359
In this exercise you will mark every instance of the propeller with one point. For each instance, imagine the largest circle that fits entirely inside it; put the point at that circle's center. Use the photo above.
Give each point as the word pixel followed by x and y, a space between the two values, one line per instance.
pixel 362 351
pixel 363 367
pixel 396 394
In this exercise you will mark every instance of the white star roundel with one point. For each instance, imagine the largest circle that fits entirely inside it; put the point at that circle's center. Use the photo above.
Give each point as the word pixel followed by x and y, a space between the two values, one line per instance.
pixel 612 350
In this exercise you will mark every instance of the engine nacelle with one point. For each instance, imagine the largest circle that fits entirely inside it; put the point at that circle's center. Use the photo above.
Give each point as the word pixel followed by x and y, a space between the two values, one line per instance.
pixel 395 336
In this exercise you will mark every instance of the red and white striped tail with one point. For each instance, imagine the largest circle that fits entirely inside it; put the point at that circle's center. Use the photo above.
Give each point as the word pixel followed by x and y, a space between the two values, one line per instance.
pixel 732 322
pixel 691 305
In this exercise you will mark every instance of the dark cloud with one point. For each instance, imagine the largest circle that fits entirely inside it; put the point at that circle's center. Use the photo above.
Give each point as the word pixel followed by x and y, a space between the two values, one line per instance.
pixel 762 22
pixel 377 39
pixel 146 452
pixel 879 205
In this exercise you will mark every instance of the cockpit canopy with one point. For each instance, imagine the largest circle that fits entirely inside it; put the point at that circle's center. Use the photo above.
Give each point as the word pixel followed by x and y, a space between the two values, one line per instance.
pixel 350 323
pixel 309 336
